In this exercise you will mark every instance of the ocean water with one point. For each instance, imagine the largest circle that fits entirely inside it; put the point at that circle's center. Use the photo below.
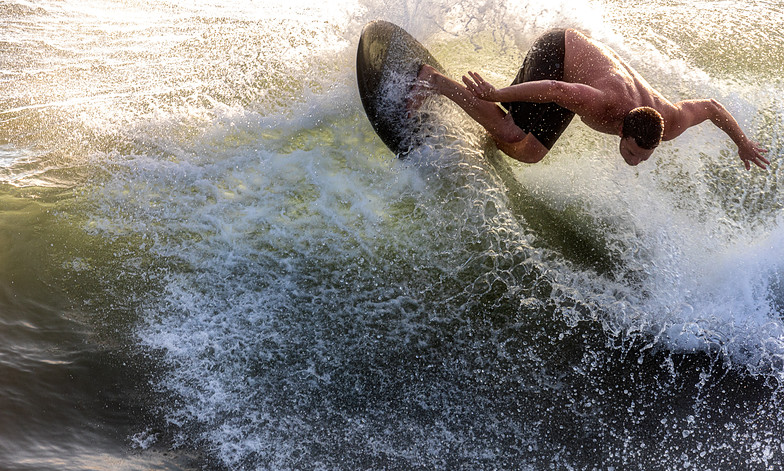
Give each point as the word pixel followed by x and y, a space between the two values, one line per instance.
pixel 208 260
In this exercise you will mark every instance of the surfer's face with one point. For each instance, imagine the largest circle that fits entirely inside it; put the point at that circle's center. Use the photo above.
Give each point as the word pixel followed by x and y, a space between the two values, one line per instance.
pixel 632 153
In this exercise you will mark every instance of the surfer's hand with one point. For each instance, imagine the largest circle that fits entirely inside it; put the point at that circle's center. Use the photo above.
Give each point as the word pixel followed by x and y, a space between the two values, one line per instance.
pixel 479 88
pixel 751 153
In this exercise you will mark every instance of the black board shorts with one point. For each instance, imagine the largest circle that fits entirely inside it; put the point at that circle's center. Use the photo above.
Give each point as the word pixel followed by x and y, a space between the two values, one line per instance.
pixel 544 61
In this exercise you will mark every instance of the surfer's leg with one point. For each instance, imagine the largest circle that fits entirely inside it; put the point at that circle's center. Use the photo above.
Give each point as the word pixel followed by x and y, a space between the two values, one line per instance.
pixel 529 150
pixel 489 115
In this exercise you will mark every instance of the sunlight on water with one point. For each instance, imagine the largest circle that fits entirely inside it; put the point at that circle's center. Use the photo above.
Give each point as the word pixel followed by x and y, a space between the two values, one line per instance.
pixel 8 155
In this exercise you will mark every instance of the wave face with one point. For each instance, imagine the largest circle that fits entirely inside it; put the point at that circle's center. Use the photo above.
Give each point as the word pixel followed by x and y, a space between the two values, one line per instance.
pixel 242 276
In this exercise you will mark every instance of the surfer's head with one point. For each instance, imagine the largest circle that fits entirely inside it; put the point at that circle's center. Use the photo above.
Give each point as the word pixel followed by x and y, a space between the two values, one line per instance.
pixel 641 133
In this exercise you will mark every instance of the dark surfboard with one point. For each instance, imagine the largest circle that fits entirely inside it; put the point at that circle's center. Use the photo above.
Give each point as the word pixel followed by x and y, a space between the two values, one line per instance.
pixel 388 61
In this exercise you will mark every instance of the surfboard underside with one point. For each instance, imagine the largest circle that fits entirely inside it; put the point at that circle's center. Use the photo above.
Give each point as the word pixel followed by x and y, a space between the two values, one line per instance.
pixel 388 62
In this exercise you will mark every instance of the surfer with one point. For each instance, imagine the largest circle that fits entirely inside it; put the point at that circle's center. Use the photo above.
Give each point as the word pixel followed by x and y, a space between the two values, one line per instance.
pixel 567 73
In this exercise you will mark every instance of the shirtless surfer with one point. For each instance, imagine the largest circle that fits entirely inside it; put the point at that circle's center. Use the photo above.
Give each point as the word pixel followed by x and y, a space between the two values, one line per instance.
pixel 566 73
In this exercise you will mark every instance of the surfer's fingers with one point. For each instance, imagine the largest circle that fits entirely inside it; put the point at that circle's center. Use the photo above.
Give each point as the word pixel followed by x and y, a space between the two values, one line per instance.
pixel 477 85
pixel 470 85
pixel 472 80
pixel 474 88
pixel 480 83
pixel 757 160
pixel 761 162
pixel 760 151
pixel 752 153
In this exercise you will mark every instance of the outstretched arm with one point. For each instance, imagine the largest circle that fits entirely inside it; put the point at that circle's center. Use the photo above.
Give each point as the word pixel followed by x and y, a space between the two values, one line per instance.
pixel 576 97
pixel 693 112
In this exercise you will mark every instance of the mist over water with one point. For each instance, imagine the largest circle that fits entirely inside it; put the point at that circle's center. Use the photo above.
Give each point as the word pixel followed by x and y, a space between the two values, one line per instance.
pixel 210 261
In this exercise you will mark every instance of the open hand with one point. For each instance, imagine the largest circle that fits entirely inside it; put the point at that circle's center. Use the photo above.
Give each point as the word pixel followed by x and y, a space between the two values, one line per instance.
pixel 752 153
pixel 479 88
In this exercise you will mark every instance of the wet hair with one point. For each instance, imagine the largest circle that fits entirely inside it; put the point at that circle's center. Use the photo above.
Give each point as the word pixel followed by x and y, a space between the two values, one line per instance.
pixel 645 125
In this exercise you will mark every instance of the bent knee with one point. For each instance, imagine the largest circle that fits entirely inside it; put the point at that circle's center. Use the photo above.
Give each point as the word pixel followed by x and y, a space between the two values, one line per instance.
pixel 510 135
pixel 527 150
pixel 509 132
pixel 528 158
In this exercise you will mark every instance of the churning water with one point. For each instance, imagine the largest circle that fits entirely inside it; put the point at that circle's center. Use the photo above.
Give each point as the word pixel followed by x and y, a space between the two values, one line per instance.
pixel 209 260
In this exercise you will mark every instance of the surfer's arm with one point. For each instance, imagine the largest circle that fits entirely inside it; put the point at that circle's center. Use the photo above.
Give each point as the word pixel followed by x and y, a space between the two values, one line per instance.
pixel 577 97
pixel 693 112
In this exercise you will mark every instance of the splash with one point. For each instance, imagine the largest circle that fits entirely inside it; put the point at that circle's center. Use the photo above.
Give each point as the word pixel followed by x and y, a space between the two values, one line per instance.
pixel 316 303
